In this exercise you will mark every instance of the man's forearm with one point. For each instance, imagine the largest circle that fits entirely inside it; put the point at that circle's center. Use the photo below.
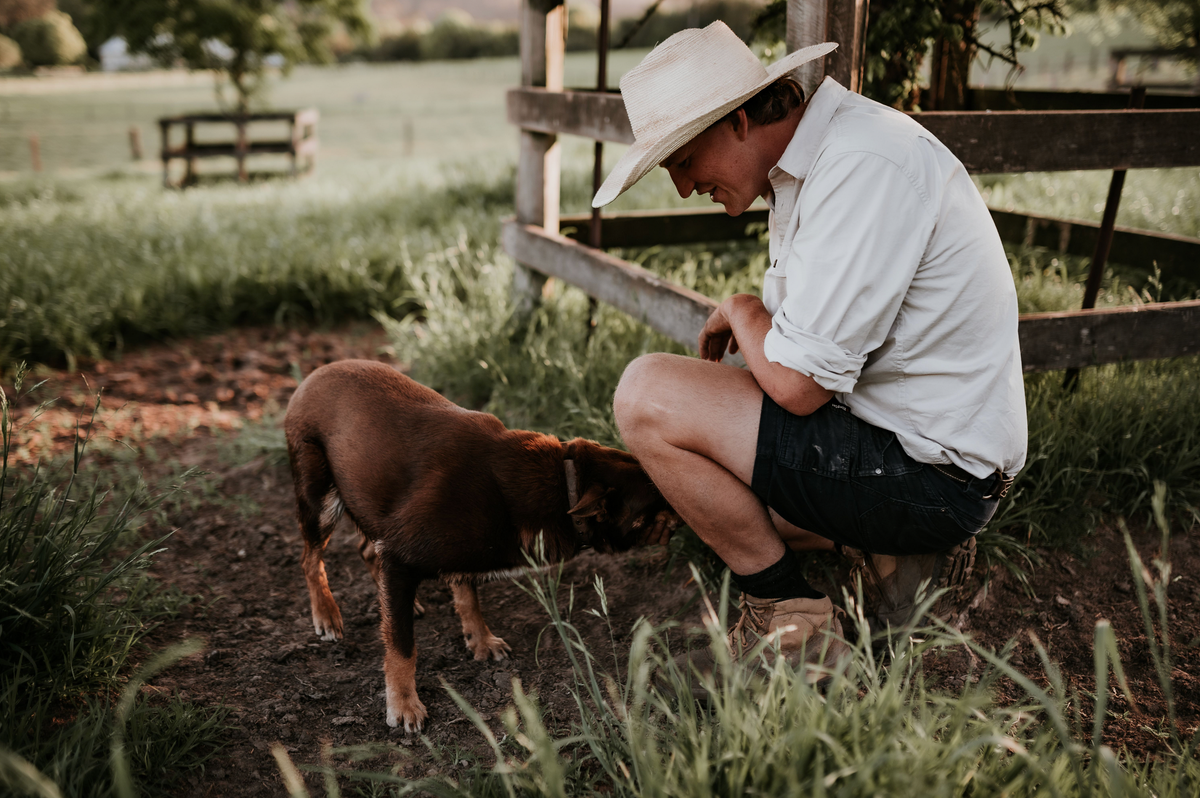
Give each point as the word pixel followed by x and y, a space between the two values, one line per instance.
pixel 794 391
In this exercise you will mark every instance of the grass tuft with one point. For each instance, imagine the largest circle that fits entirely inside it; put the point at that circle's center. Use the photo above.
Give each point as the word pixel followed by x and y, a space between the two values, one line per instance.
pixel 75 606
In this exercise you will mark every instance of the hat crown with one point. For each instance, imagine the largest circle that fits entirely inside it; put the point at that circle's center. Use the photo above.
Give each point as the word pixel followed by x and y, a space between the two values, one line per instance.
pixel 688 74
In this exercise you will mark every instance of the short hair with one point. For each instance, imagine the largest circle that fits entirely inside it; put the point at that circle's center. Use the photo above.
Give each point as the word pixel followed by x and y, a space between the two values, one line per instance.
pixel 773 103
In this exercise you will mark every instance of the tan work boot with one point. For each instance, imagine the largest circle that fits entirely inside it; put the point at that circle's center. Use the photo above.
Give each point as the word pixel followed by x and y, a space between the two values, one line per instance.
pixel 793 627
pixel 890 583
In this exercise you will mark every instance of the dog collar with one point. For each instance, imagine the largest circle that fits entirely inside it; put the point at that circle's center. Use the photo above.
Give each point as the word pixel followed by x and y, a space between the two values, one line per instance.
pixel 582 527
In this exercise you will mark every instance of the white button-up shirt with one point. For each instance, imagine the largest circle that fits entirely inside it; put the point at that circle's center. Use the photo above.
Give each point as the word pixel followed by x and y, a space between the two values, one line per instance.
pixel 890 287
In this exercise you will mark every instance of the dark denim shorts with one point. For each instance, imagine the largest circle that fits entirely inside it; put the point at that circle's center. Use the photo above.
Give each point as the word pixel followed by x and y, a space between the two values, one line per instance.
pixel 846 480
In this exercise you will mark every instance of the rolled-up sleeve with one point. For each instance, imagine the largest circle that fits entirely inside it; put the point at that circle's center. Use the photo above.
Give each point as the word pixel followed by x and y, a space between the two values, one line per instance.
pixel 863 229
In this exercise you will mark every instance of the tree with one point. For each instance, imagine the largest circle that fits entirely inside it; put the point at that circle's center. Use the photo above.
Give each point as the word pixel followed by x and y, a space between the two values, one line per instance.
pixel 1173 24
pixel 235 38
pixel 50 40
pixel 10 53
pixel 901 32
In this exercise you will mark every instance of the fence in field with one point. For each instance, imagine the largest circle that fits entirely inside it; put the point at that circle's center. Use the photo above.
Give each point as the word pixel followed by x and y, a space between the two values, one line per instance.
pixel 986 141
pixel 300 145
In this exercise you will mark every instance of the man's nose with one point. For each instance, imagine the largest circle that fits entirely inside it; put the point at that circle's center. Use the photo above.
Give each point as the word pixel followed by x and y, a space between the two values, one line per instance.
pixel 683 184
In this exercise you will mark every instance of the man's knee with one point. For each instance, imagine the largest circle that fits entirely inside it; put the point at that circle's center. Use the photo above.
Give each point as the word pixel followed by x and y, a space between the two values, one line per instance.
pixel 634 403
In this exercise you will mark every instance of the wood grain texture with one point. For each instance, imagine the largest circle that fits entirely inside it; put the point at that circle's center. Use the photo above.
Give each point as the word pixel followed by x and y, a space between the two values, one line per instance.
pixel 985 141
pixel 1080 338
pixel 1049 341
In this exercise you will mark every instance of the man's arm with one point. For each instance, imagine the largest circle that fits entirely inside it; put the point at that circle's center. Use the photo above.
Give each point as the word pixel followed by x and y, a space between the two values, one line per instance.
pixel 741 323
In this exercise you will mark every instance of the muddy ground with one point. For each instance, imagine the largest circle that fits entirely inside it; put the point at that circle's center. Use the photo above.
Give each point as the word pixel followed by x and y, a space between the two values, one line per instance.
pixel 236 549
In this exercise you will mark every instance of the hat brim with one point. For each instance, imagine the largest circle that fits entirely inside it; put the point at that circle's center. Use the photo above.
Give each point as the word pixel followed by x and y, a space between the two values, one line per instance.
pixel 643 155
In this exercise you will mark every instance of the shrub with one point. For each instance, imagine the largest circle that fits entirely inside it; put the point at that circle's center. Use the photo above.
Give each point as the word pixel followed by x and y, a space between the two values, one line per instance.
pixel 51 40
pixel 10 53
pixel 455 35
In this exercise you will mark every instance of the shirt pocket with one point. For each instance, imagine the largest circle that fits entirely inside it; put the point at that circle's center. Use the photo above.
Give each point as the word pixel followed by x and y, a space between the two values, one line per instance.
pixel 821 443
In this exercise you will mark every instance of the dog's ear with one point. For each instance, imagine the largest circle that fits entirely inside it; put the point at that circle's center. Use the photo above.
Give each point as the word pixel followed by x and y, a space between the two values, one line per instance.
pixel 591 503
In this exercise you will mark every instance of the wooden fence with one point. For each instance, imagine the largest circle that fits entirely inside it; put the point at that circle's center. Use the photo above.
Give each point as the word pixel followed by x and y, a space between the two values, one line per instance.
pixel 986 142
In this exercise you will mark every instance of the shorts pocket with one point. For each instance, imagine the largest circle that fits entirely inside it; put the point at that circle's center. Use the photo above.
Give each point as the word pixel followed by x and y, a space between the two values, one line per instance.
pixel 822 443
pixel 881 455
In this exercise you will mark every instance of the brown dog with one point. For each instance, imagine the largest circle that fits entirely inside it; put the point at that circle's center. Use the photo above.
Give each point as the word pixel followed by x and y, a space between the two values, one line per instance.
pixel 439 491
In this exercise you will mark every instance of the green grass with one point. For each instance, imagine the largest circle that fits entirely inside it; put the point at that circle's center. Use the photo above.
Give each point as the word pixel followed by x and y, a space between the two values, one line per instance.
pixel 455 111
pixel 75 606
pixel 879 728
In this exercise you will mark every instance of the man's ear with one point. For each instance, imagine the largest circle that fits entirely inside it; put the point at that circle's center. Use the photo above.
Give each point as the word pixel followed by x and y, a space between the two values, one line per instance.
pixel 591 503
pixel 741 124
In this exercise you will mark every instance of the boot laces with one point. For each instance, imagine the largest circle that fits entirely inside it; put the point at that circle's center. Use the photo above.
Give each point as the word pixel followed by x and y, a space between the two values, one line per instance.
pixel 753 621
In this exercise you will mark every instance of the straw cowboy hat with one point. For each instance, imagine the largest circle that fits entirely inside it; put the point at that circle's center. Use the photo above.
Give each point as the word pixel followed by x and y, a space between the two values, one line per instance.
pixel 684 85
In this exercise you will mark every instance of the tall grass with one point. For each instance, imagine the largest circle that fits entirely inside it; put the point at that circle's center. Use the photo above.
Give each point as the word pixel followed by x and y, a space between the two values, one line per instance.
pixel 75 605
pixel 879 727
pixel 1100 450
pixel 88 267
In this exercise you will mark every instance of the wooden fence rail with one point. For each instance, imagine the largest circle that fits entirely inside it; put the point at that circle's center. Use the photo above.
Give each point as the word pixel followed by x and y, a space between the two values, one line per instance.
pixel 987 142
pixel 1049 341
pixel 1178 257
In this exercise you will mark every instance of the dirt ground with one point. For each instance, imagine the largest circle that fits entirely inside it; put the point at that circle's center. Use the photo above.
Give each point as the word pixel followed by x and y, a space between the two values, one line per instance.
pixel 236 548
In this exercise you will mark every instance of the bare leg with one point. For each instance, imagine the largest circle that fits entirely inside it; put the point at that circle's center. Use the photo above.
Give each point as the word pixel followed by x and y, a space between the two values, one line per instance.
pixel 694 427
pixel 798 539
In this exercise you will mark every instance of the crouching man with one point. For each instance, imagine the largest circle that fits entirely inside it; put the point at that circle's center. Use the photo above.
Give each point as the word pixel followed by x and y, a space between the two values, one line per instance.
pixel 882 409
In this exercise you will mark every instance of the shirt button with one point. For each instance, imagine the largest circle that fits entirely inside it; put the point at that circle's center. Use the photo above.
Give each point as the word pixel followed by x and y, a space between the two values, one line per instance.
pixel 878 471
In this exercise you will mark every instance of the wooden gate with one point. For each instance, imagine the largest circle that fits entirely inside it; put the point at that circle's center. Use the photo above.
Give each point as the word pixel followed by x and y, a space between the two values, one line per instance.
pixel 987 142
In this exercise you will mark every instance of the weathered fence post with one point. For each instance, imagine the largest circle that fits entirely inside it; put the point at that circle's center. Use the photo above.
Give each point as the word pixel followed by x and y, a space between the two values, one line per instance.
pixel 135 142
pixel 842 21
pixel 539 157
pixel 35 152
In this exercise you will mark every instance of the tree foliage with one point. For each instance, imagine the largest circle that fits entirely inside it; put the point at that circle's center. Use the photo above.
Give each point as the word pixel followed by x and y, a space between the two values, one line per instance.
pixel 235 38
pixel 1173 24
pixel 901 32
pixel 50 40
pixel 10 53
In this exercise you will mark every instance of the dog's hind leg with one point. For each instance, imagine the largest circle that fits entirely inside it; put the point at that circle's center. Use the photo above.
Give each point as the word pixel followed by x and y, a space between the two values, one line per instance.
pixel 397 590
pixel 479 637
pixel 366 549
pixel 318 509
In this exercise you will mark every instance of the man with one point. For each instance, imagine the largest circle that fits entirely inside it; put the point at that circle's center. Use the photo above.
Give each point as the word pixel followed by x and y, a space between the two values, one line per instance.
pixel 882 408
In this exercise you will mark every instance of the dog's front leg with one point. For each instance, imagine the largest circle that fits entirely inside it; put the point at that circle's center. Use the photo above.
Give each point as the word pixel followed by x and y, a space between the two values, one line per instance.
pixel 397 591
pixel 479 637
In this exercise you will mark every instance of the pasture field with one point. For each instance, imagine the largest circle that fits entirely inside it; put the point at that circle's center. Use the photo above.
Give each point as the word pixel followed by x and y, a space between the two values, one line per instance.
pixel 195 313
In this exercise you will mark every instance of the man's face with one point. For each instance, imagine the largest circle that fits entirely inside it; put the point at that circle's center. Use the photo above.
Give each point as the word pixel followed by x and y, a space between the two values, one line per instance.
pixel 722 163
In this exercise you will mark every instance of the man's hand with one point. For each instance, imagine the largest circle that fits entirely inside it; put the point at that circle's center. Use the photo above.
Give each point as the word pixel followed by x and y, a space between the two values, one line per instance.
pixel 741 323
pixel 717 335
pixel 659 534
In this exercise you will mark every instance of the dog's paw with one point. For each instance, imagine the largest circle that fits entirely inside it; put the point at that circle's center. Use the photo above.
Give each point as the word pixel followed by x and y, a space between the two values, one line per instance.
pixel 409 713
pixel 488 646
pixel 328 628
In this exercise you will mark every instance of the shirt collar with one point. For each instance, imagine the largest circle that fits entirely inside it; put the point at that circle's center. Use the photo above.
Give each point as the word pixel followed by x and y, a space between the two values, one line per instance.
pixel 798 158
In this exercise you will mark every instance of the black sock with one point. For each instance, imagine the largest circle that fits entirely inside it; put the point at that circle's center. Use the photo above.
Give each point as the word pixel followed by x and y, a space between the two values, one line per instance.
pixel 783 580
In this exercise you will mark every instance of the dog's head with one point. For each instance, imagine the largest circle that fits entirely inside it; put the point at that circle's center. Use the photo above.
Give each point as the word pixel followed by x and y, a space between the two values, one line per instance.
pixel 616 500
